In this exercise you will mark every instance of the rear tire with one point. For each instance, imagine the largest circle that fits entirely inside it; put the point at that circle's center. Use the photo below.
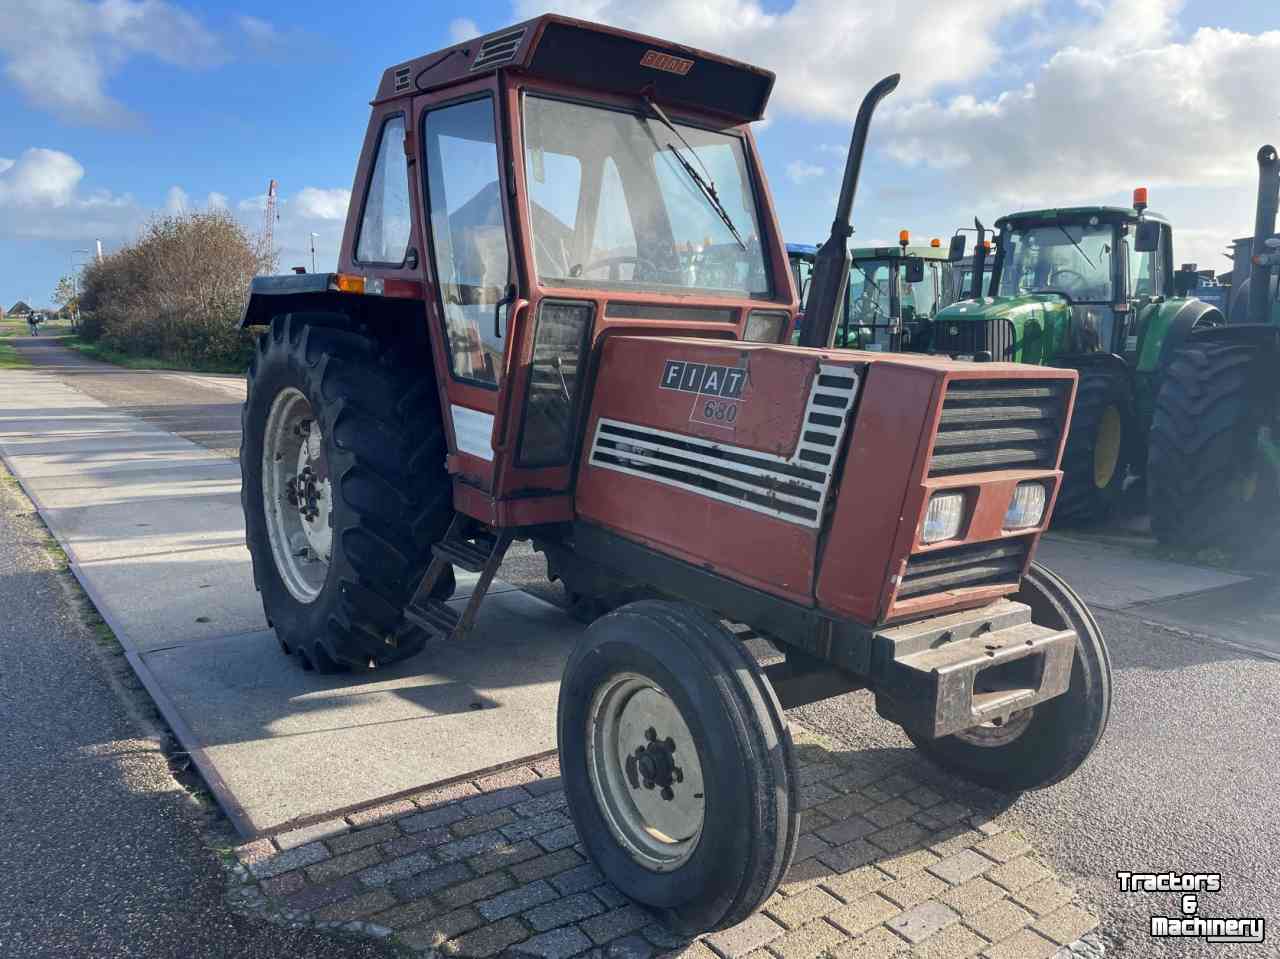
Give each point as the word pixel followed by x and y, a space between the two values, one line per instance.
pixel 1208 480
pixel 389 497
pixel 712 857
pixel 1099 448
pixel 1051 743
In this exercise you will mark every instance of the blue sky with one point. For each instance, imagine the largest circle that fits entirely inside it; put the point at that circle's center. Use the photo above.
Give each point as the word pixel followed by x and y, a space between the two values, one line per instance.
pixel 118 109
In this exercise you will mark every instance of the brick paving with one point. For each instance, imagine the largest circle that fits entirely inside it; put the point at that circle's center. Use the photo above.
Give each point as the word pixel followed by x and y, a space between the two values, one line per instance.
pixel 896 859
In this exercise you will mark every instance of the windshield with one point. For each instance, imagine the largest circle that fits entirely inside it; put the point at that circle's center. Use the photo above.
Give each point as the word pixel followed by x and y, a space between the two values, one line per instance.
pixel 1070 258
pixel 612 206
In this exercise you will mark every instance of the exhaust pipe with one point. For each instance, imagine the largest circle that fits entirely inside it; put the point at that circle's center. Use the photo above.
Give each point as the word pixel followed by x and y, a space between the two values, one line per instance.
pixel 1263 260
pixel 979 259
pixel 830 276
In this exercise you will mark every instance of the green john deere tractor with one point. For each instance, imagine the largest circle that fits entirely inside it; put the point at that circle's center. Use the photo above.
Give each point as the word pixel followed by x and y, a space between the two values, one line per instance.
pixel 1093 289
pixel 1214 462
pixel 892 295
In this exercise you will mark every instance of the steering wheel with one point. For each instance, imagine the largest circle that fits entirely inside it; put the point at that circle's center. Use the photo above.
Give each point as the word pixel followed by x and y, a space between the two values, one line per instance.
pixel 612 262
pixel 1080 278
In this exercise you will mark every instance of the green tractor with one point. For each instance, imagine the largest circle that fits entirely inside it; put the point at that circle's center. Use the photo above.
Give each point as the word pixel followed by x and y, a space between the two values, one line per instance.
pixel 1214 462
pixel 893 293
pixel 1092 289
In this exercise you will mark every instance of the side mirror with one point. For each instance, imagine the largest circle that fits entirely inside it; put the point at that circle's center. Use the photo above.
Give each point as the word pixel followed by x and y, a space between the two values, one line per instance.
pixel 915 269
pixel 1146 237
pixel 956 253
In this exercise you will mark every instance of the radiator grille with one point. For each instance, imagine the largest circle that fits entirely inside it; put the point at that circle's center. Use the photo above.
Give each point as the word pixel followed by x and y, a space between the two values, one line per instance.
pixel 999 424
pixel 498 50
pixel 978 564
pixel 971 337
pixel 793 488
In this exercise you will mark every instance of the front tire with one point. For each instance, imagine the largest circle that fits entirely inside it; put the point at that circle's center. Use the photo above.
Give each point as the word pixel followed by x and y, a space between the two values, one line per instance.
pixel 344 491
pixel 1048 742
pixel 1209 482
pixel 654 687
pixel 1096 460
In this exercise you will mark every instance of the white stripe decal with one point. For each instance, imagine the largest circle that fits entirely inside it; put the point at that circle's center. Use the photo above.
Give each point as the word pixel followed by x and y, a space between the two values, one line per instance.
pixel 473 431
pixel 792 488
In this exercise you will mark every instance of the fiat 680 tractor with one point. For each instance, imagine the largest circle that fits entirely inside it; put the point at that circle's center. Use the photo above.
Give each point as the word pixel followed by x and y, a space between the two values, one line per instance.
pixel 562 313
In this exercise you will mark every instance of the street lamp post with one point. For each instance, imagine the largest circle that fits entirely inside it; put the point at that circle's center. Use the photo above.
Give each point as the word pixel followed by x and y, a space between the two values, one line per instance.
pixel 75 289
pixel 313 251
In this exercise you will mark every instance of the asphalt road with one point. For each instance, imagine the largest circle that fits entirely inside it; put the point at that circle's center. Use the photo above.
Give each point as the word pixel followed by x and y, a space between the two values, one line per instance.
pixel 1186 778
pixel 102 853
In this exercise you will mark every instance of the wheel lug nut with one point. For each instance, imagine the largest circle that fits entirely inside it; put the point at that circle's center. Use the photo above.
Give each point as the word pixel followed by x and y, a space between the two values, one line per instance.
pixel 667 794
pixel 651 734
pixel 670 744
pixel 648 784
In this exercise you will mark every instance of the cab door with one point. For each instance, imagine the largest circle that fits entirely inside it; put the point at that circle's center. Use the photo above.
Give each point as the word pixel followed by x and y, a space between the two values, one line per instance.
pixel 471 273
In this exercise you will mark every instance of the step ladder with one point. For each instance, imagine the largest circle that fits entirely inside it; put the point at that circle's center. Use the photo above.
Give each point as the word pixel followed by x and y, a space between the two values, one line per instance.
pixel 467 545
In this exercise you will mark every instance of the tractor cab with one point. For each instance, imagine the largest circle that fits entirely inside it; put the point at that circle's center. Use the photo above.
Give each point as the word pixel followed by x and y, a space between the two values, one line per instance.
pixel 1064 282
pixel 893 293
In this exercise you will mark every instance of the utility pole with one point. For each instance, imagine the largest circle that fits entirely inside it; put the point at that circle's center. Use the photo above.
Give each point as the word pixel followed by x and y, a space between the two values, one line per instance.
pixel 313 251
pixel 75 286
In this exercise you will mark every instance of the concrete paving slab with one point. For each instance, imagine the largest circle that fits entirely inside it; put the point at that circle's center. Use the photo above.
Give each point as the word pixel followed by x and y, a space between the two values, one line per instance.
pixel 1114 578
pixel 146 527
pixel 213 477
pixel 72 462
pixel 291 744
pixel 1243 614
pixel 174 598
pixel 73 424
pixel 84 445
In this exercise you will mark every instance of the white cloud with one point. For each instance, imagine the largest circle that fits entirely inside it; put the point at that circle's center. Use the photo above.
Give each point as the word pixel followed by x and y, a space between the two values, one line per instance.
pixel 59 53
pixel 799 171
pixel 176 201
pixel 217 201
pixel 826 53
pixel 463 29
pixel 1097 122
pixel 40 197
pixel 257 31
pixel 39 178
pixel 321 204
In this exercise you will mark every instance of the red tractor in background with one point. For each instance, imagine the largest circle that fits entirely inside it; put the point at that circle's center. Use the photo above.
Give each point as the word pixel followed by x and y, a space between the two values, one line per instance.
pixel 561 314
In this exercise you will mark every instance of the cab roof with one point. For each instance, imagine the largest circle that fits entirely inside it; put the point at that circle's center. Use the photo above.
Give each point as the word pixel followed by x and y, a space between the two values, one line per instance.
pixel 1073 213
pixel 560 48
pixel 874 252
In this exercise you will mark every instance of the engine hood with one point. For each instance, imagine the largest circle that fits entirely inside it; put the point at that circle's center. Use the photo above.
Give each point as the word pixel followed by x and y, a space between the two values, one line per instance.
pixel 1002 307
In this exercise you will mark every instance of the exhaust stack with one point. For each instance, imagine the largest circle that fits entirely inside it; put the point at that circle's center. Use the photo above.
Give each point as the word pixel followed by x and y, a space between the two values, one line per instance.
pixel 1261 257
pixel 831 267
pixel 979 259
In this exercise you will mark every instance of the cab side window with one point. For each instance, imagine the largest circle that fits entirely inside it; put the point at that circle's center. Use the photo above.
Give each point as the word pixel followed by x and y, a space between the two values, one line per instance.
pixel 385 225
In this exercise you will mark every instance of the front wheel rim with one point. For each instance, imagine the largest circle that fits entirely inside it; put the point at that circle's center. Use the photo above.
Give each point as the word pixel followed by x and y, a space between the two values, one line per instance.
pixel 297 495
pixel 1106 450
pixel 645 772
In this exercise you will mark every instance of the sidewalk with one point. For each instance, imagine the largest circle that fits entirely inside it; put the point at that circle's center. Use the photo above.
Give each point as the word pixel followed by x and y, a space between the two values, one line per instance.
pixel 895 859
pixel 153 527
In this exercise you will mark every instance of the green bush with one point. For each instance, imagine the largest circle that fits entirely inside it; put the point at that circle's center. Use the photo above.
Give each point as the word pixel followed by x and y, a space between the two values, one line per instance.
pixel 176 293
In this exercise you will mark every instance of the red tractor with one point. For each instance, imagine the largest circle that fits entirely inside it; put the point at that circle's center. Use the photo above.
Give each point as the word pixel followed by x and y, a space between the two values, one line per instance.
pixel 561 315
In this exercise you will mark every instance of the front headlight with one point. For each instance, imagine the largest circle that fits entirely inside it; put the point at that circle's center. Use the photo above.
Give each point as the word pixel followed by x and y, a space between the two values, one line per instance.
pixel 1027 506
pixel 943 518
pixel 763 327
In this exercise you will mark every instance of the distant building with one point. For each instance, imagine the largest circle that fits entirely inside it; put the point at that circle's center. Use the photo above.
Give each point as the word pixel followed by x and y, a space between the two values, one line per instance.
pixel 19 309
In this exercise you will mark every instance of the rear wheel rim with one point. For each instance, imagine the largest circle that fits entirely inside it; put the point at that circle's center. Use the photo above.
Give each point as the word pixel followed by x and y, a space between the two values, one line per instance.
pixel 645 772
pixel 296 495
pixel 1106 449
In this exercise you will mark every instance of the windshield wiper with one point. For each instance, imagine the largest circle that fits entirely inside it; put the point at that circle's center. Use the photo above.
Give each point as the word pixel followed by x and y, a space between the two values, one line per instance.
pixel 1078 247
pixel 706 186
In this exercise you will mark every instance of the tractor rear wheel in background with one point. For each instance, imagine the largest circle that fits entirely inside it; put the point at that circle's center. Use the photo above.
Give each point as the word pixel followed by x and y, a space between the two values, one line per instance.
pixel 1214 461
pixel 344 491
pixel 1096 460
pixel 1044 744
pixel 677 764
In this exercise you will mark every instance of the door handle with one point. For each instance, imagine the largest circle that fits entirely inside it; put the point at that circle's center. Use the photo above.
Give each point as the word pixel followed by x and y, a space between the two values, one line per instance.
pixel 506 300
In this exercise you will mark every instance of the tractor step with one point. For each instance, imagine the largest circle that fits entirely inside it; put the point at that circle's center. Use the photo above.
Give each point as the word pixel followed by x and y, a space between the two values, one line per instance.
pixel 954 672
pixel 472 547
pixel 465 554
pixel 438 620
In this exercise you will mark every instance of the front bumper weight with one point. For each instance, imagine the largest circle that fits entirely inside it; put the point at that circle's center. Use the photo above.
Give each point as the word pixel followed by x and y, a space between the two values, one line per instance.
pixel 982 666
